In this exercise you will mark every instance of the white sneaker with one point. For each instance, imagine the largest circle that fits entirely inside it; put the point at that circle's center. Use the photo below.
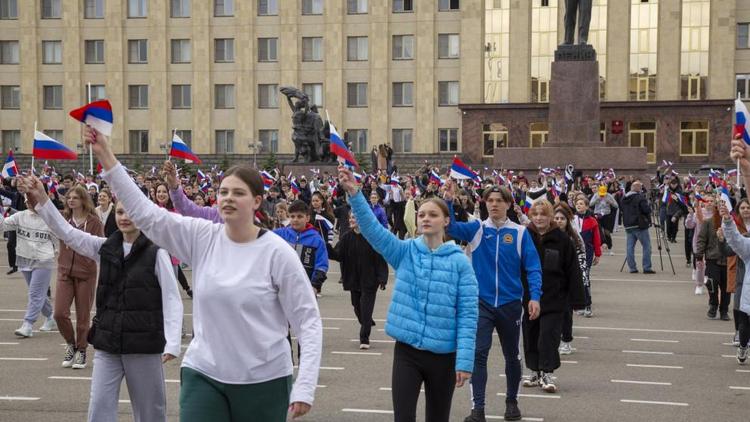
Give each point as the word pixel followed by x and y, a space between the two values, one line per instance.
pixel 698 290
pixel 49 325
pixel 736 339
pixel 25 330
pixel 79 361
pixel 611 252
pixel 532 380
pixel 547 383
pixel 364 346
pixel 741 355
pixel 565 348
pixel 70 352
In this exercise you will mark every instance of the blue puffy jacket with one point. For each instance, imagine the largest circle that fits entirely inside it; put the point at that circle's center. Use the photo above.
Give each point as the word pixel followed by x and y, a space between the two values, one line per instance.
pixel 434 305
pixel 311 251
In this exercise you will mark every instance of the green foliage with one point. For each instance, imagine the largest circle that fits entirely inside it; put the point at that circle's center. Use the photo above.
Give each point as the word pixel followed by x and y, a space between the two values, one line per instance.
pixel 271 162
pixel 363 161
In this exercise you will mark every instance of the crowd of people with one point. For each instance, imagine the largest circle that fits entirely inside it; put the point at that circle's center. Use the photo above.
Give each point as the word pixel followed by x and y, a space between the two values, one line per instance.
pixel 509 253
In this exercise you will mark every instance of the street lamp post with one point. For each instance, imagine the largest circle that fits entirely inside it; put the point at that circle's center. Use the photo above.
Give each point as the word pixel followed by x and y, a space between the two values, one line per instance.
pixel 254 147
pixel 165 149
pixel 81 153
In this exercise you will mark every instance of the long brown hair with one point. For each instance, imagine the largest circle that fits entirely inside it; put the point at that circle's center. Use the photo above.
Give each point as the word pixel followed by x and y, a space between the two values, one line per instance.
pixel 86 202
pixel 738 218
pixel 565 210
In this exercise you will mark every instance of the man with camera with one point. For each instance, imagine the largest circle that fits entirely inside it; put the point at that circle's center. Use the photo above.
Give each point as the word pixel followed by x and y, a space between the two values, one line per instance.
pixel 636 217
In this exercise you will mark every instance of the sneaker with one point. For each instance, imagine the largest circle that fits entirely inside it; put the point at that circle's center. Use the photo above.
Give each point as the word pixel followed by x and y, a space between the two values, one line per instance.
pixel 698 290
pixel 611 252
pixel 565 348
pixel 736 339
pixel 79 361
pixel 587 312
pixel 688 264
pixel 579 312
pixel 512 412
pixel 741 355
pixel 364 346
pixel 12 270
pixel 532 380
pixel 724 316
pixel 25 330
pixel 547 384
pixel 649 272
pixel 711 314
pixel 49 325
pixel 477 415
pixel 70 352
pixel 633 271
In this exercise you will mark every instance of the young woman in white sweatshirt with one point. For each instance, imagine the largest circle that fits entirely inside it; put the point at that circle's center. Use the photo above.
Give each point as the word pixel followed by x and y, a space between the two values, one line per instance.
pixel 247 284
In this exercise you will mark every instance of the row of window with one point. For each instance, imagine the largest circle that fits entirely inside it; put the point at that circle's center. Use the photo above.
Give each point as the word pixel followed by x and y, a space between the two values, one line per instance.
pixel 268 50
pixel 224 95
pixel 94 9
pixel 224 140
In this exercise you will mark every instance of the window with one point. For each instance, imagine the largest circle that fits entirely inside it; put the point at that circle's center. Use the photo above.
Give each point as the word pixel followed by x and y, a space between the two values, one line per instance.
pixel 186 136
pixel 94 51
pixel 357 138
pixel 402 140
pixel 494 135
pixel 52 52
pixel 644 36
pixel 315 92
pixel 448 93
pixel 8 9
pixel 93 9
pixel 181 51
pixel 356 7
pixel 181 96
pixel 643 134
pixel 403 47
pixel 497 52
pixel 268 7
pixel 742 86
pixel 403 94
pixel 538 133
pixel 269 139
pixel 312 49
pixel 180 9
pixel 55 134
pixel 694 138
pixel 539 90
pixel 224 96
pixel 693 87
pixel 10 97
pixel 401 6
pixel 11 140
pixel 138 140
pixel 356 48
pixel 448 140
pixel 268 96
pixel 8 52
pixel 602 132
pixel 224 141
pixel 137 51
pixel 223 8
pixel 137 8
pixel 51 9
pixel 743 35
pixel 643 87
pixel 52 97
pixel 312 7
pixel 356 94
pixel 138 96
pixel 446 5
pixel 448 46
pixel 224 50
pixel 267 49
pixel 543 46
pixel 98 92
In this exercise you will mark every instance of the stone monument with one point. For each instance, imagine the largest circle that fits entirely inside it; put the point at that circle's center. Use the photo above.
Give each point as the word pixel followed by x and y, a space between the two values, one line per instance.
pixel 308 129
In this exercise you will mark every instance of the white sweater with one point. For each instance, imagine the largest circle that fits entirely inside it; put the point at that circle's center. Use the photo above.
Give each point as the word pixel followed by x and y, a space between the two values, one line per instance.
pixel 244 294
pixel 36 243
pixel 89 245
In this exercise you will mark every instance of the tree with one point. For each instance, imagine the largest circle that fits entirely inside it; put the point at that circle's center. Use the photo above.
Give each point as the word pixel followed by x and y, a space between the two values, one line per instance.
pixel 271 162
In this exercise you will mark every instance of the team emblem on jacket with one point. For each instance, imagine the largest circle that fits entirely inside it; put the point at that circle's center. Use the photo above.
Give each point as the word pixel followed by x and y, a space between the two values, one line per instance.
pixel 508 238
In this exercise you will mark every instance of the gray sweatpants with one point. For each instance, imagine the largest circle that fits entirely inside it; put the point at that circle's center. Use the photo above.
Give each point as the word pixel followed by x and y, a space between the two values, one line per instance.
pixel 144 375
pixel 38 281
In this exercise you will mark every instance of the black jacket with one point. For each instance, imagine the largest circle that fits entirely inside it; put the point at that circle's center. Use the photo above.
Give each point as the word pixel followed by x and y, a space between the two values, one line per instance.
pixel 636 213
pixel 129 316
pixel 110 226
pixel 562 281
pixel 362 269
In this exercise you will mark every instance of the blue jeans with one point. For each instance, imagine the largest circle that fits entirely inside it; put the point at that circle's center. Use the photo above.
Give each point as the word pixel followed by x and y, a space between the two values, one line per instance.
pixel 642 236
pixel 507 321
pixel 38 281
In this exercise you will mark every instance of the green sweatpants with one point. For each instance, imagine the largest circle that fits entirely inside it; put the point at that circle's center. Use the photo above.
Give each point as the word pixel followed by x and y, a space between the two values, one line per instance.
pixel 204 399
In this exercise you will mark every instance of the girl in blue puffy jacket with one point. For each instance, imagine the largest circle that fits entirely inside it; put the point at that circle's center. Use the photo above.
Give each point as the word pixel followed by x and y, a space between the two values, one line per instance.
pixel 433 311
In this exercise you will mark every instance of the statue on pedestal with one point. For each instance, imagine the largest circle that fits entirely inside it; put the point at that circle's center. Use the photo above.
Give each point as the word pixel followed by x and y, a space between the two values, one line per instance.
pixel 581 8
pixel 307 126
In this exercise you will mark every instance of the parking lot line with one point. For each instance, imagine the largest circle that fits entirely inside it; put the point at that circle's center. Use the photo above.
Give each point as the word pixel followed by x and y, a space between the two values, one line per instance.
pixel 638 365
pixel 8 344
pixel 665 403
pixel 647 352
pixel 357 353
pixel 640 382
pixel 33 359
pixel 648 340
pixel 729 356
pixel 375 411
pixel 743 370
pixel 535 396
pixel 523 419
pixel 327 368
pixel 20 398
pixel 569 361
pixel 375 341
pixel 653 330
pixel 734 387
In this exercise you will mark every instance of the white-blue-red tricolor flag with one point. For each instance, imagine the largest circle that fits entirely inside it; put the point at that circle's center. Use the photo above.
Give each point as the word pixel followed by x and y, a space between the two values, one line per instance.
pixel 459 170
pixel 741 120
pixel 338 147
pixel 181 150
pixel 97 115
pixel 51 149
pixel 10 169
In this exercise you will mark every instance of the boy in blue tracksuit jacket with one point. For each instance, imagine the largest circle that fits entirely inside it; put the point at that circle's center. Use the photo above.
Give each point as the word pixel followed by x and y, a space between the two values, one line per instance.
pixel 307 241
pixel 501 253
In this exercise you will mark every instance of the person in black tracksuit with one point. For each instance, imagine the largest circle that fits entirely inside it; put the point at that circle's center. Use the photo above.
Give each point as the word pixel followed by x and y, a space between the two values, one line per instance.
pixel 562 287
pixel 362 271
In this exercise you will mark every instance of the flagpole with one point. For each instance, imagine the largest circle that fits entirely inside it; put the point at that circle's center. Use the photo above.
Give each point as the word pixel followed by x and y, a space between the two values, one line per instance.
pixel 91 150
pixel 32 151
pixel 174 132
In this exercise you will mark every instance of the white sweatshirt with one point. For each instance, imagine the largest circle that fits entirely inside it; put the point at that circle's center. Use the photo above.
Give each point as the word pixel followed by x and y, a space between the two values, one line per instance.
pixel 36 244
pixel 89 245
pixel 244 294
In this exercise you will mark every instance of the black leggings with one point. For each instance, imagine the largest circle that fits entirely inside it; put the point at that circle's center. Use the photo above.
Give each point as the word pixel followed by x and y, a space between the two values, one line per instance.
pixel 541 339
pixel 411 368
pixel 717 287
pixel 689 244
pixel 672 228
pixel 567 325
pixel 743 326
pixel 364 303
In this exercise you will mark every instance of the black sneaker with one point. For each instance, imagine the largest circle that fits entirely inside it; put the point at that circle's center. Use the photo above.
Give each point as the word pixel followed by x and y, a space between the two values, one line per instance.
pixel 512 412
pixel 477 415
pixel 724 316
pixel 711 314
pixel 79 361
pixel 12 270
pixel 70 351
pixel 633 271
pixel 649 272
pixel 741 355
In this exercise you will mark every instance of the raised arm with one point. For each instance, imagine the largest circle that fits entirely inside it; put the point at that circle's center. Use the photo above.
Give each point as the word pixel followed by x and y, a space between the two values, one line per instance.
pixel 84 243
pixel 182 204
pixel 739 244
pixel 456 229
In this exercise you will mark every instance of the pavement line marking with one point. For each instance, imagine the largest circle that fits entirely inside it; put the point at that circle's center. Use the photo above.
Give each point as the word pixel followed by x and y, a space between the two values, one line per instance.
pixel 743 370
pixel 8 344
pixel 666 403
pixel 331 328
pixel 57 377
pixel 502 418
pixel 347 319
pixel 648 330
pixel 581 337
pixel 357 353
pixel 11 319
pixel 636 365
pixel 648 340
pixel 33 359
pixel 12 310
pixel 635 280
pixel 421 390
pixel 19 398
pixel 734 387
pixel 374 341
pixel 640 382
pixel 647 352
pixel 124 401
pixel 327 368
pixel 376 411
pixel 537 396
pixel 729 356
pixel 569 361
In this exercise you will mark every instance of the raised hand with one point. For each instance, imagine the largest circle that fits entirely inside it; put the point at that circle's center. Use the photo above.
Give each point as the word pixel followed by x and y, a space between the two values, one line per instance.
pixel 347 180
pixel 724 211
pixel 100 146
pixel 34 190
pixel 170 175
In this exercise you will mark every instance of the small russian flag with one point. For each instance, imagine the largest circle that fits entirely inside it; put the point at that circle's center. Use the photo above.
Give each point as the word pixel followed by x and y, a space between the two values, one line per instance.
pixel 357 177
pixel 294 186
pixel 97 115
pixel 51 149
pixel 724 194
pixel 459 170
pixel 338 147
pixel 10 169
pixel 434 177
pixel 181 150
pixel 268 180
pixel 741 120
pixel 324 221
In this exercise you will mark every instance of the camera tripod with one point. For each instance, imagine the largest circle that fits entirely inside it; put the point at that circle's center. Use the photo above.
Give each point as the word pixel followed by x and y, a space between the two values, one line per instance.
pixel 661 237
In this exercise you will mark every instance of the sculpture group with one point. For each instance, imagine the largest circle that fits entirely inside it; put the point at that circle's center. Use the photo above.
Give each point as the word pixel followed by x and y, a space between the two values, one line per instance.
pixel 310 134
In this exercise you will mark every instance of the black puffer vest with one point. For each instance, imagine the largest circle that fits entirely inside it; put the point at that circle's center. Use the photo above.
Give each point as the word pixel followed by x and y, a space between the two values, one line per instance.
pixel 129 315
